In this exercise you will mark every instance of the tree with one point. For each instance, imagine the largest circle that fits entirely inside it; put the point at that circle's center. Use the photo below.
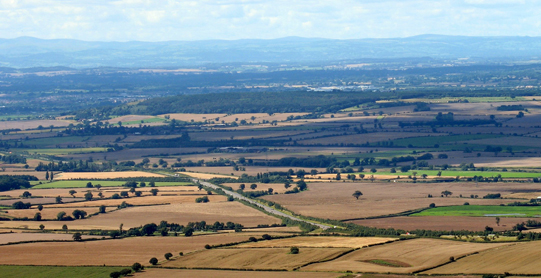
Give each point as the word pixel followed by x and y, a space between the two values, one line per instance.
pixel 89 185
pixel 37 216
pixel 357 194
pixel 26 194
pixel 40 207
pixel 270 190
pixel 253 186
pixel 58 200
pixel 446 193
pixel 294 250
pixel 432 205
pixel 242 186
pixel 373 170
pixel 188 232
pixel 168 256
pixel 266 237
pixel 498 221
pixel 338 177
pixel 115 274
pixel 136 267
pixel 47 175
pixel 152 184
pixel 153 261
pixel 72 193
pixel 65 227
pixel 132 190
pixel 60 215
pixel 142 184
pixel 199 186
pixel 97 186
pixel 149 229
pixel 52 176
pixel 41 227
pixel 79 214
pixel 154 191
pixel 138 193
pixel 124 194
pixel 77 237
pixel 89 196
pixel 100 194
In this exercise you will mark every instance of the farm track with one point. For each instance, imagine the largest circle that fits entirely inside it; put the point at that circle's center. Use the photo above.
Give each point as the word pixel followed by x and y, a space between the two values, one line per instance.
pixel 262 206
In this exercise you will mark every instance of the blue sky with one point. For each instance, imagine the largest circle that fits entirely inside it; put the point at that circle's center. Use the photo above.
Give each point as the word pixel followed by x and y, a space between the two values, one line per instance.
pixel 162 20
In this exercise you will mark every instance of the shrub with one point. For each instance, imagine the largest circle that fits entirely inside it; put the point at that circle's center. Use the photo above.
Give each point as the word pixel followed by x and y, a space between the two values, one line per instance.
pixel 266 237
pixel 168 255
pixel 294 250
pixel 153 261
pixel 136 267
pixel 432 205
pixel 207 246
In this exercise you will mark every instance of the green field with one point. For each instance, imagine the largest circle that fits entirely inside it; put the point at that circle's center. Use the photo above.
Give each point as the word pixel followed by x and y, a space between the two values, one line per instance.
pixel 145 121
pixel 104 183
pixel 485 174
pixel 57 271
pixel 478 211
pixel 63 151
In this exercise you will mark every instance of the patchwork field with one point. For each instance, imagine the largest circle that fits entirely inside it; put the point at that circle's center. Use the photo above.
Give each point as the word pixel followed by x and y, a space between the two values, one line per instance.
pixel 258 258
pixel 402 257
pixel 112 252
pixel 176 213
pixel 6 238
pixel 520 258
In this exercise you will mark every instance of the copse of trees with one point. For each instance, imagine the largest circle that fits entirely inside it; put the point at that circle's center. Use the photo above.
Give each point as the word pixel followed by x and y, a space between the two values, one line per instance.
pixel 9 182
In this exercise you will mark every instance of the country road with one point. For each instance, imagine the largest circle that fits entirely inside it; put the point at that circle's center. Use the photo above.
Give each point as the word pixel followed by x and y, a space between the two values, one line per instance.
pixel 266 208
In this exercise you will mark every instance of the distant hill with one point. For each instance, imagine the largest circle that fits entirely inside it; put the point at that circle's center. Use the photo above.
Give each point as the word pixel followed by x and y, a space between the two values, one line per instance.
pixel 26 52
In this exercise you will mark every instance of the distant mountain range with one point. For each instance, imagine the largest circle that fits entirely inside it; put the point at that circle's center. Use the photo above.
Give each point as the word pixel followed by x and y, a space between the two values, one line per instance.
pixel 25 52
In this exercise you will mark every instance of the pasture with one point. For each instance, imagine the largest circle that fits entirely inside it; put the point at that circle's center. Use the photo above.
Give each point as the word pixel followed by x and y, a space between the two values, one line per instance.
pixel 478 211
pixel 403 256
pixel 103 175
pixel 255 258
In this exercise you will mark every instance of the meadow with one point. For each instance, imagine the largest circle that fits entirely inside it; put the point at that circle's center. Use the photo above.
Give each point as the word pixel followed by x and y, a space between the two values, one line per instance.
pixel 57 271
pixel 478 211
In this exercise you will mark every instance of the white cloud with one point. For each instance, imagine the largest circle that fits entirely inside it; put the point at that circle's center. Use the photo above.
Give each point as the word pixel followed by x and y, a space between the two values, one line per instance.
pixel 148 20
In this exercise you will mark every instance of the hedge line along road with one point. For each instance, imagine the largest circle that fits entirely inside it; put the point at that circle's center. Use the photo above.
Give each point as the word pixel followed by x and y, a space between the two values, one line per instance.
pixel 262 206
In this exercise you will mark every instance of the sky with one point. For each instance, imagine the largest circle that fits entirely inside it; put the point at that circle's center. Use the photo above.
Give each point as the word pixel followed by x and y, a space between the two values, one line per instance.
pixel 164 20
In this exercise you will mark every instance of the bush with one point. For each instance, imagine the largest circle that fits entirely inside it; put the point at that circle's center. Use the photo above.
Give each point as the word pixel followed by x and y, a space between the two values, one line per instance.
pixel 294 250
pixel 136 267
pixel 266 237
pixel 432 205
pixel 115 274
pixel 207 246
pixel 168 255
pixel 253 239
pixel 153 261
pixel 125 271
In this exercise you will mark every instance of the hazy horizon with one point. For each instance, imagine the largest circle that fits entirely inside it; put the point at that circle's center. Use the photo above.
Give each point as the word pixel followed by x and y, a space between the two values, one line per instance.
pixel 150 21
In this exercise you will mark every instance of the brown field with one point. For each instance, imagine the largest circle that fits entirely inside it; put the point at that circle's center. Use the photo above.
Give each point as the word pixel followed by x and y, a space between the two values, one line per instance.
pixel 413 255
pixel 103 175
pixel 37 201
pixel 106 191
pixel 23 237
pixel 334 200
pixel 255 258
pixel 23 125
pixel 441 223
pixel 206 176
pixel 521 258
pixel 189 273
pixel 319 242
pixel 176 213
pixel 112 252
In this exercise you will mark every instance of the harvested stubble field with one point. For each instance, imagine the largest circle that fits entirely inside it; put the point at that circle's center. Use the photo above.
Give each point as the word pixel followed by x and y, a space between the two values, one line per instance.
pixel 250 170
pixel 335 200
pixel 242 135
pixel 189 273
pixel 112 252
pixel 438 223
pixel 520 258
pixel 24 237
pixel 104 175
pixel 255 258
pixel 36 201
pixel 176 213
pixel 259 117
pixel 407 256
pixel 319 242
pixel 82 184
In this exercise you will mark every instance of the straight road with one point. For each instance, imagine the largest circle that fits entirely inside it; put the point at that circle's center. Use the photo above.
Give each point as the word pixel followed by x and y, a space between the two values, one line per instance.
pixel 265 207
